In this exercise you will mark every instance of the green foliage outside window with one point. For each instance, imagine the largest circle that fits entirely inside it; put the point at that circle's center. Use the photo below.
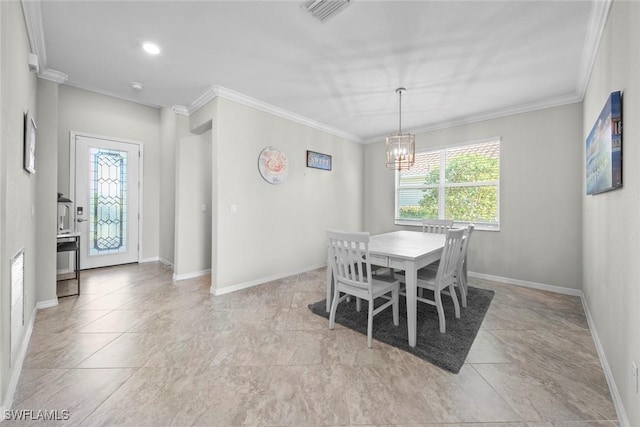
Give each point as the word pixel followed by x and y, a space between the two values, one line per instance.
pixel 462 203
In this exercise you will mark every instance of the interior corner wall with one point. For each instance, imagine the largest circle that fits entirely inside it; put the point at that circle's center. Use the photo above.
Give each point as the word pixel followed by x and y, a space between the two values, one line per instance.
pixel 46 192
pixel 277 230
pixel 17 186
pixel 540 186
pixel 168 143
pixel 203 119
pixel 83 111
pixel 610 227
pixel 193 235
pixel 3 196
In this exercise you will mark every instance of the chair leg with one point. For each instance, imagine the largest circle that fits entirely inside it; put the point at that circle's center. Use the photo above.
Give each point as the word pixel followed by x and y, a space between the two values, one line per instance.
pixel 358 304
pixel 454 297
pixel 462 284
pixel 334 307
pixel 370 326
pixel 438 298
pixel 395 297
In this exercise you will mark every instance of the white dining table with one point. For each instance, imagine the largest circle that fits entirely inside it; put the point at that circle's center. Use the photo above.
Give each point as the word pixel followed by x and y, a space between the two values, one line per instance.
pixel 401 250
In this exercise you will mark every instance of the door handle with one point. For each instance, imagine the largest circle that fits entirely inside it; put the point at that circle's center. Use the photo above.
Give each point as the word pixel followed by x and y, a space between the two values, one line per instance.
pixel 80 220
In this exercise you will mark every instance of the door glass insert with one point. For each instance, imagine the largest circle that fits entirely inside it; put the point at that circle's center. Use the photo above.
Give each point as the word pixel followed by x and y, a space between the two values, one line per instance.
pixel 108 201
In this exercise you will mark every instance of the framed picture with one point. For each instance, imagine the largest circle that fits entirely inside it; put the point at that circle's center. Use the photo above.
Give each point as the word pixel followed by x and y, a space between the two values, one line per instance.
pixel 29 143
pixel 318 160
pixel 604 148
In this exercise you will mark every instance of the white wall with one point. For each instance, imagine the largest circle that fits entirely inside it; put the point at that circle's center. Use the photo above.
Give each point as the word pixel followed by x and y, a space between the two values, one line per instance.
pixel 540 185
pixel 278 229
pixel 3 195
pixel 46 192
pixel 168 142
pixel 83 111
pixel 17 187
pixel 611 232
pixel 193 235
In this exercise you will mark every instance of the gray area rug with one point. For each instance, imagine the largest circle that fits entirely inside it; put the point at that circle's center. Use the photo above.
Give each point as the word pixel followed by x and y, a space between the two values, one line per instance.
pixel 448 350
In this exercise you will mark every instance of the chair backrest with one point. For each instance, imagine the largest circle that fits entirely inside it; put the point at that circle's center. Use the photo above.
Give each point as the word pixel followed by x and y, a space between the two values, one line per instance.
pixel 439 226
pixel 349 255
pixel 450 257
pixel 465 245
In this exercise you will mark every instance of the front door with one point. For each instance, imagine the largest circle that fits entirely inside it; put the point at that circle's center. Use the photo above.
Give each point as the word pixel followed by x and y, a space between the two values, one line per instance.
pixel 106 200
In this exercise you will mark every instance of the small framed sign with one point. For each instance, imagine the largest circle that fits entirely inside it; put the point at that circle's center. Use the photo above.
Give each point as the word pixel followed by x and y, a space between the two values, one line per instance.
pixel 318 160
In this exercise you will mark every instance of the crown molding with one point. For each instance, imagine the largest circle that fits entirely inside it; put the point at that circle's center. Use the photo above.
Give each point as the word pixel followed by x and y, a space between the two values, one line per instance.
pixel 111 94
pixel 279 112
pixel 495 114
pixel 595 29
pixel 33 21
pixel 53 75
pixel 597 22
pixel 223 92
pixel 209 95
pixel 180 109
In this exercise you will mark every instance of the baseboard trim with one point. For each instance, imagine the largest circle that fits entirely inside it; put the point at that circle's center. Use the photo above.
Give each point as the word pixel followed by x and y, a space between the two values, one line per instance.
pixel 165 262
pixel 16 368
pixel 149 259
pixel 65 271
pixel 615 395
pixel 47 304
pixel 256 282
pixel 191 275
pixel 528 284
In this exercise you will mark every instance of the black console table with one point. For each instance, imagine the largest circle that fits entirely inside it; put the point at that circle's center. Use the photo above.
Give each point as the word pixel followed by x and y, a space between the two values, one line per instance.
pixel 70 242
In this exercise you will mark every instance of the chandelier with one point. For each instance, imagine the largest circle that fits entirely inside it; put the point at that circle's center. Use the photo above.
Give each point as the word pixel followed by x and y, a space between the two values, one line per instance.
pixel 401 148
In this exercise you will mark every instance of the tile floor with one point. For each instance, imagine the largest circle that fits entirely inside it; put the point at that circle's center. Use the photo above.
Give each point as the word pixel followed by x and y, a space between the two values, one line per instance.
pixel 138 349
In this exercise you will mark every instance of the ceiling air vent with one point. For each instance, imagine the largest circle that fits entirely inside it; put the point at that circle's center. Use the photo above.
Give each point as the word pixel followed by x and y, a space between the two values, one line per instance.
pixel 325 9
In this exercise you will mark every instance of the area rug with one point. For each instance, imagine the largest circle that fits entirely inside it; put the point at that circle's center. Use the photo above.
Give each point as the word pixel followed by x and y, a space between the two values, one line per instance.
pixel 448 350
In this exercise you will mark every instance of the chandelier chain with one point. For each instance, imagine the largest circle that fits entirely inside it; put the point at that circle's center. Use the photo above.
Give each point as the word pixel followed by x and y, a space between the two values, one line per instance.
pixel 400 115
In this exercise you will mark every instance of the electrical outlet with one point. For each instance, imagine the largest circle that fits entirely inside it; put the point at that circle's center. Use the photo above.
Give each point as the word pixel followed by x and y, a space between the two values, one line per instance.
pixel 634 375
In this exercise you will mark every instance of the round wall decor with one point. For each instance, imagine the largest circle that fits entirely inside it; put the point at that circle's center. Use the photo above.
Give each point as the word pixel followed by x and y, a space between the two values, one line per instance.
pixel 273 165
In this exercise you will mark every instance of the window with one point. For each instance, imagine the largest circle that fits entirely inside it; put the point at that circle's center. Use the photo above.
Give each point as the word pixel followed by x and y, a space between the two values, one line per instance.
pixel 460 183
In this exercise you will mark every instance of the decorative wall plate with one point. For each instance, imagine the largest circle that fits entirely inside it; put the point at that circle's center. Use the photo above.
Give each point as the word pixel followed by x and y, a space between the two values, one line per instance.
pixel 273 165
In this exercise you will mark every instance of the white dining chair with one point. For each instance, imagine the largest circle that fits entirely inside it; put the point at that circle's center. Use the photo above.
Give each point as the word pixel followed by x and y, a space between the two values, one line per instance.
pixel 461 269
pixel 439 226
pixel 443 279
pixel 349 255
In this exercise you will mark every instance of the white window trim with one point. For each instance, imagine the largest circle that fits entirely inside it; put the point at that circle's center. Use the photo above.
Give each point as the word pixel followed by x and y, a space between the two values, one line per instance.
pixel 479 226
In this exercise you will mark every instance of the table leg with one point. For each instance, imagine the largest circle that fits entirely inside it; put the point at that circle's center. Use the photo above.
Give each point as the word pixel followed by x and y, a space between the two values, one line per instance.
pixel 411 283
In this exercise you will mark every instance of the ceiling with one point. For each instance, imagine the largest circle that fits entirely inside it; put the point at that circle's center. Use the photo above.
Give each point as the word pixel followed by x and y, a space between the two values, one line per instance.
pixel 460 61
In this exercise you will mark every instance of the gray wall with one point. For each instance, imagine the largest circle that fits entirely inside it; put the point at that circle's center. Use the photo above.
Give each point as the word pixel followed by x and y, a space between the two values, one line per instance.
pixel 83 111
pixel 17 187
pixel 193 227
pixel 46 192
pixel 278 229
pixel 611 231
pixel 168 138
pixel 540 185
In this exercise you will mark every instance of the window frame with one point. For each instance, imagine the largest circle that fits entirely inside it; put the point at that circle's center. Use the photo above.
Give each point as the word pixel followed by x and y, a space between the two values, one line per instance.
pixel 442 185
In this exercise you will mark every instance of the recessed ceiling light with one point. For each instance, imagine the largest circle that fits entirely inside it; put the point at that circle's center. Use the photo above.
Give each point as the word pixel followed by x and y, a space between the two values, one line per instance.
pixel 151 48
pixel 136 86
